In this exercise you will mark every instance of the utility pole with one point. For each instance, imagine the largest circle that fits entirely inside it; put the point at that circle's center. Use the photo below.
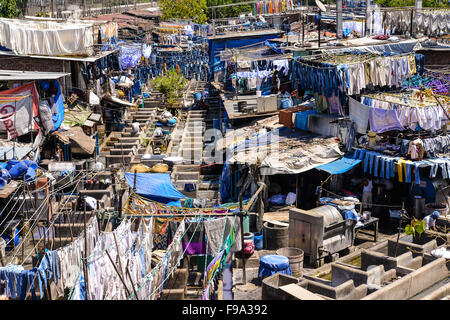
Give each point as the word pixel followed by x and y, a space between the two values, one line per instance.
pixel 367 23
pixel 418 5
pixel 339 34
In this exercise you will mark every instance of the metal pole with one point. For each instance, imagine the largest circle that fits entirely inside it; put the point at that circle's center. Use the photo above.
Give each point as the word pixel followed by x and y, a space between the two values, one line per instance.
pixel 418 6
pixel 339 34
pixel 367 21
pixel 244 273
pixel 85 252
pixel 305 19
pixel 318 26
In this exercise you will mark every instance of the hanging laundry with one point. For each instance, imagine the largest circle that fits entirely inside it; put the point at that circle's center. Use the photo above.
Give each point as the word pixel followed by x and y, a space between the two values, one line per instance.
pixel 383 120
pixel 217 231
pixel 359 114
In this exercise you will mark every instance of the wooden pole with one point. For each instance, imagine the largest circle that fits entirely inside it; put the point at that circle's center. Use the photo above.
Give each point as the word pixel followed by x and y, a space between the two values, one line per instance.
pixel 131 280
pixel 296 190
pixel 118 253
pixel 399 228
pixel 117 271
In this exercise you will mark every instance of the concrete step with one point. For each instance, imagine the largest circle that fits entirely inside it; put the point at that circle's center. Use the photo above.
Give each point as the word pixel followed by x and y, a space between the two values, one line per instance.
pixel 185 168
pixel 208 194
pixel 122 151
pixel 117 159
pixel 129 140
pixel 128 145
pixel 209 185
pixel 179 184
pixel 185 176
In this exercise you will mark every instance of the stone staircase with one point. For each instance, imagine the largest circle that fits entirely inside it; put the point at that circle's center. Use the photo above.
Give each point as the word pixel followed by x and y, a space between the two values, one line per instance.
pixel 120 148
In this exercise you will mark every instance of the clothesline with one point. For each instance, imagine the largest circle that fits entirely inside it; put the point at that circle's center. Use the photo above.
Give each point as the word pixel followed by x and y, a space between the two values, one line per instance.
pixel 399 56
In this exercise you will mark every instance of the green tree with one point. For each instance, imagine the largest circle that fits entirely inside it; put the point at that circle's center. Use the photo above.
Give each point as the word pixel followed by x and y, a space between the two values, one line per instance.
pixel 170 85
pixel 8 9
pixel 184 9
pixel 228 12
pixel 411 3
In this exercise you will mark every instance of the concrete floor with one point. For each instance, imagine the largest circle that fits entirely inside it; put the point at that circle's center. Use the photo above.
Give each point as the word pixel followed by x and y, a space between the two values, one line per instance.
pixel 252 289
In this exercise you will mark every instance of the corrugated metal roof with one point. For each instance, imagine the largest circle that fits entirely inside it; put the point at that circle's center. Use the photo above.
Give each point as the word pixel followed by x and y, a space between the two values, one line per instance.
pixel 69 58
pixel 6 75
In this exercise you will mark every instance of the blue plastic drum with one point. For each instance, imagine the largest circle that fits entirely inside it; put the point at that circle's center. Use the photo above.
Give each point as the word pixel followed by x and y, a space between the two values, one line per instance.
pixel 271 264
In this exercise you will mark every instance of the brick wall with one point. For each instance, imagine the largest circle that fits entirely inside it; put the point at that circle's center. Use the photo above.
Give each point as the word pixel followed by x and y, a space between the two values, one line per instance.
pixel 30 64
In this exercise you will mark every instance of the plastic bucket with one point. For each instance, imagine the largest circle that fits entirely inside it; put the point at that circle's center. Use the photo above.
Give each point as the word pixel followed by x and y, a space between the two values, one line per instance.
pixel 258 240
pixel 249 247
pixel 5 175
pixel 248 236
pixel 197 96
pixel 295 257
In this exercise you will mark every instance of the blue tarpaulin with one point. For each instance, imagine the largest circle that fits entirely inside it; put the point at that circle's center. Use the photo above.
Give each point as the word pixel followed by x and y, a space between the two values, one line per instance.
pixel 217 45
pixel 59 117
pixel 339 166
pixel 155 186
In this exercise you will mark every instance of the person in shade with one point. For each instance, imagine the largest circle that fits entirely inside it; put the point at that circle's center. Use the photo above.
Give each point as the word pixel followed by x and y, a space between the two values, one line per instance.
pixel 367 193
pixel 275 81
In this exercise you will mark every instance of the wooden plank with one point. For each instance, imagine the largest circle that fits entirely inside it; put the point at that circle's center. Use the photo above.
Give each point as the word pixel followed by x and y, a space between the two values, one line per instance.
pixel 300 293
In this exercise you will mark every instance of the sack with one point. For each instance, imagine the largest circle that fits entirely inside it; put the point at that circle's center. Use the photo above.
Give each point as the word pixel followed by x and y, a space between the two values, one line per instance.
pixel 160 168
pixel 140 168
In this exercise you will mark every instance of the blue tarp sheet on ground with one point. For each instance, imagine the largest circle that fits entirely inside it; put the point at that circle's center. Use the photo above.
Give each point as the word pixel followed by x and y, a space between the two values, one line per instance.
pixel 155 186
pixel 339 166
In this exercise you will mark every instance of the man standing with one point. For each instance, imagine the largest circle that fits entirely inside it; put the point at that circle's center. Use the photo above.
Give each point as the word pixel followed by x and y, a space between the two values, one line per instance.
pixel 275 81
pixel 367 193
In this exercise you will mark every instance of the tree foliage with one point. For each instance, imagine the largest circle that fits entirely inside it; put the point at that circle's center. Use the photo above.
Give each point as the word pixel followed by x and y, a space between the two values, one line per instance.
pixel 415 226
pixel 170 85
pixel 184 9
pixel 411 3
pixel 228 12
pixel 8 9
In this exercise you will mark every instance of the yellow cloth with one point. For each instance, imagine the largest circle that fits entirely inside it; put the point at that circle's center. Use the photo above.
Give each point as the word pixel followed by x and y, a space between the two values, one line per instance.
pixel 412 64
pixel 401 169
pixel 400 165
